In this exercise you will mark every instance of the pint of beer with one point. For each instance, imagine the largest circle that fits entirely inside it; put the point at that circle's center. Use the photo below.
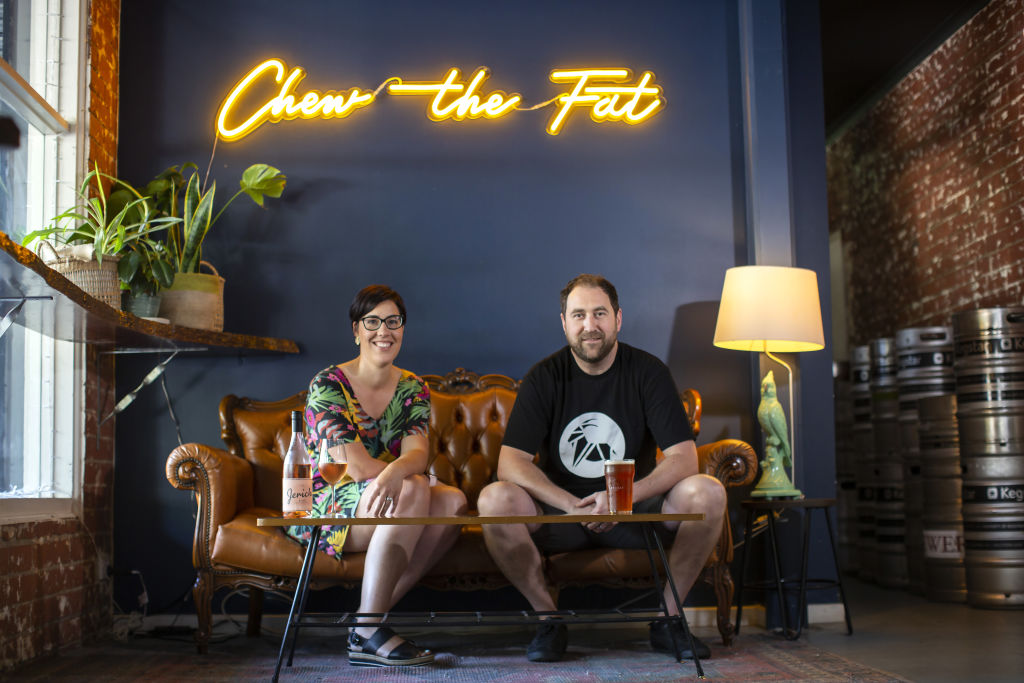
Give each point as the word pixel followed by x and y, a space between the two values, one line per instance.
pixel 618 481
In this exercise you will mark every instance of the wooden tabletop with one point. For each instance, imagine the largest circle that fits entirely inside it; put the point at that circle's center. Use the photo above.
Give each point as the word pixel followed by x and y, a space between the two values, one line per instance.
pixel 471 519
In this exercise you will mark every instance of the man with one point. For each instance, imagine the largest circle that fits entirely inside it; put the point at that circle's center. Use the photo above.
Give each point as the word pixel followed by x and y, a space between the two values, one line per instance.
pixel 594 400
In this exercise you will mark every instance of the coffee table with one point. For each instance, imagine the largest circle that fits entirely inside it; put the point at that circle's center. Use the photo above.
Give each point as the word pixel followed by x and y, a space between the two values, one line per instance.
pixel 652 541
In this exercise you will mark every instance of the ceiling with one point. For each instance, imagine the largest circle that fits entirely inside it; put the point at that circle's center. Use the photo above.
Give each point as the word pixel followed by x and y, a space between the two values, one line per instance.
pixel 869 45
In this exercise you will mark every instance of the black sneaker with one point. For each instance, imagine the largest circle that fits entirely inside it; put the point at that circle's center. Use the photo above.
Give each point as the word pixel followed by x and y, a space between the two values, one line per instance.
pixel 661 640
pixel 549 644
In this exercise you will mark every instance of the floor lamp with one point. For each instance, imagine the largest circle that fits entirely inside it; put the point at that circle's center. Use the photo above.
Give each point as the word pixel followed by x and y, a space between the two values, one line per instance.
pixel 771 309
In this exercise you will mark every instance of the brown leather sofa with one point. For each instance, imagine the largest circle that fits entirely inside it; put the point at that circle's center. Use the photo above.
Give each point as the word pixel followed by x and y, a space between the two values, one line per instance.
pixel 236 486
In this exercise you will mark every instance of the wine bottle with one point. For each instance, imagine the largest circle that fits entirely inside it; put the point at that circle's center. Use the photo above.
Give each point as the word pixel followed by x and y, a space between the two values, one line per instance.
pixel 297 482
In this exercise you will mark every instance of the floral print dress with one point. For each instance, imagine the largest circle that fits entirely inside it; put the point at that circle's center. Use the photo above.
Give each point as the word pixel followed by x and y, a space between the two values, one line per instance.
pixel 332 410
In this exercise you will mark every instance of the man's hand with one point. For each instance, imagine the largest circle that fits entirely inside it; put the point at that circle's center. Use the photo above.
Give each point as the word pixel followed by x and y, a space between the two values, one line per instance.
pixel 595 504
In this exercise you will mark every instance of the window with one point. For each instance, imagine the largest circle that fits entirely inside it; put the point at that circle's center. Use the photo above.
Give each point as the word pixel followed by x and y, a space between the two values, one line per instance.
pixel 41 380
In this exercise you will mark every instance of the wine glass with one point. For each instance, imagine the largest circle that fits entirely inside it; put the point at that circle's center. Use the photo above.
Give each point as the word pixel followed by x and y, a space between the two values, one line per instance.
pixel 333 463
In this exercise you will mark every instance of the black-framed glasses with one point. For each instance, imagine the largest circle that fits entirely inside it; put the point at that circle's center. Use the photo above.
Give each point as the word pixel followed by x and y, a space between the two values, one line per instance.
pixel 392 322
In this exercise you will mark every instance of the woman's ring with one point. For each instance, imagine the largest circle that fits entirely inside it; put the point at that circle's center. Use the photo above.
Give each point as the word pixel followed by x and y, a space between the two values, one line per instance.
pixel 389 499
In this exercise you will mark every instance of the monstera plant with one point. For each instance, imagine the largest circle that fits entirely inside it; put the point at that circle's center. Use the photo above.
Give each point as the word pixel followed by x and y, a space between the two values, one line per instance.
pixel 195 299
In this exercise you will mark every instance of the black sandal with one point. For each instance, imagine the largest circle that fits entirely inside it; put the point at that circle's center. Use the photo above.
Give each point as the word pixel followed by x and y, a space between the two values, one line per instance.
pixel 363 652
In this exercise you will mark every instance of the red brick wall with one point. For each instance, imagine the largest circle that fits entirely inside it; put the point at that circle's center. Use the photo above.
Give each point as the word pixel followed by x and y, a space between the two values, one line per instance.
pixel 51 592
pixel 927 188
pixel 105 19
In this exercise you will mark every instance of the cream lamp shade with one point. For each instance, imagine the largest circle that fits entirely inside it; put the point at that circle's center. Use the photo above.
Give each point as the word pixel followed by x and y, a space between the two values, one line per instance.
pixel 769 308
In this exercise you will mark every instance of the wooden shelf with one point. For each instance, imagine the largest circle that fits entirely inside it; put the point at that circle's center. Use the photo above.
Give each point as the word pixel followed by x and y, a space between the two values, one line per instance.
pixel 73 315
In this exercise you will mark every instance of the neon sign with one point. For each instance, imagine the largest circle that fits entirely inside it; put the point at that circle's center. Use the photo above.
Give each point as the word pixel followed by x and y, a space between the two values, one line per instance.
pixel 608 94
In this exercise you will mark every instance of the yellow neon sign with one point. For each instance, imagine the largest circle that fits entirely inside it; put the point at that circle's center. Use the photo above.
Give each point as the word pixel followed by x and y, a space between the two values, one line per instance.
pixel 602 99
pixel 608 94
pixel 283 106
pixel 467 105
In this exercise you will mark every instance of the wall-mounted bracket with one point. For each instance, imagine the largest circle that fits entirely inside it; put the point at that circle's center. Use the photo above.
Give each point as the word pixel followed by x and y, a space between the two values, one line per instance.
pixel 8 318
pixel 154 374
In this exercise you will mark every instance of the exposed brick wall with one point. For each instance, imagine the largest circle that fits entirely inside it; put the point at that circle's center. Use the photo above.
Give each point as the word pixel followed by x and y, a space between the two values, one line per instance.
pixel 52 594
pixel 927 188
pixel 105 39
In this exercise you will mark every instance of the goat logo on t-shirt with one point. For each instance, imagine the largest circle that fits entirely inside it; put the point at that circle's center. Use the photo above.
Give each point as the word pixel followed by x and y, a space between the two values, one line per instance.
pixel 588 441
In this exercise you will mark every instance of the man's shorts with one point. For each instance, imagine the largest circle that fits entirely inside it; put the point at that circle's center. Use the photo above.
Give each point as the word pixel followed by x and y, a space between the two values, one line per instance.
pixel 560 538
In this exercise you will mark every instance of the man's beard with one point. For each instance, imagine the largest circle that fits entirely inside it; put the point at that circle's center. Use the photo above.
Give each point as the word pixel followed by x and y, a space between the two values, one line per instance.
pixel 592 355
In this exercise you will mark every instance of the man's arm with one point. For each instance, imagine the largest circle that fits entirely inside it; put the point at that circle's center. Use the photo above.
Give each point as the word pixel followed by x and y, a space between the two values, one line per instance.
pixel 517 466
pixel 680 462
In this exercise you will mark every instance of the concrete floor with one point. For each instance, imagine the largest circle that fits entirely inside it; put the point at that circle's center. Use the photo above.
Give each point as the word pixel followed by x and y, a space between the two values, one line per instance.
pixel 925 641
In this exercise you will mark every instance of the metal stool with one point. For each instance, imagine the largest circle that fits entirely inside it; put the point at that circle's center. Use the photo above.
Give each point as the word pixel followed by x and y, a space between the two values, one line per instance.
pixel 807 506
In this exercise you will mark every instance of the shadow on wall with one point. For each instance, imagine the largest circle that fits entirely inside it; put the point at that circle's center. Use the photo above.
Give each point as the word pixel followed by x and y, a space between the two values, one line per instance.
pixel 721 376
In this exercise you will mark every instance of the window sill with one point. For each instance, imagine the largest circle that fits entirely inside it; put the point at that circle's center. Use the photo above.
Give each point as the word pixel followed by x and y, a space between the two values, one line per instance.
pixel 25 510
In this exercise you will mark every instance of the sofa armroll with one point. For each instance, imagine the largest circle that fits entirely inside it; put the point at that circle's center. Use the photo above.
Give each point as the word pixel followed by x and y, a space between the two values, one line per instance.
pixel 223 486
pixel 731 461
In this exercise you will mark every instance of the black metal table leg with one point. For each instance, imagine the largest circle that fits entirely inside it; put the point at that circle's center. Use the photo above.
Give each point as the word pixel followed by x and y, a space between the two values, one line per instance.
pixel 648 533
pixel 299 599
pixel 774 540
pixel 839 574
pixel 743 569
pixel 802 602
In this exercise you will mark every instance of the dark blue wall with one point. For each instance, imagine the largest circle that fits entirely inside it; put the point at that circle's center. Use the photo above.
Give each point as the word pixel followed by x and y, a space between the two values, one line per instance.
pixel 478 223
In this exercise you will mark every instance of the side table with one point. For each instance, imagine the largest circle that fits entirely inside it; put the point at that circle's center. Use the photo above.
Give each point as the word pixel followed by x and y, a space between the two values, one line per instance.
pixel 807 506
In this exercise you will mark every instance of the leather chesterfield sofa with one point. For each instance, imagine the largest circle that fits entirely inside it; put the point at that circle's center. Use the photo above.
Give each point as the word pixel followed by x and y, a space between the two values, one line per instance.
pixel 235 486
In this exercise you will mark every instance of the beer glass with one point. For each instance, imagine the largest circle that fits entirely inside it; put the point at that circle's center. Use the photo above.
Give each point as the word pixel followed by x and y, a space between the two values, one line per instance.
pixel 618 482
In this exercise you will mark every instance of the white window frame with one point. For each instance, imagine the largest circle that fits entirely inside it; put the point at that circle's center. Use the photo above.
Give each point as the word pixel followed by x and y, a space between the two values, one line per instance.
pixel 54 101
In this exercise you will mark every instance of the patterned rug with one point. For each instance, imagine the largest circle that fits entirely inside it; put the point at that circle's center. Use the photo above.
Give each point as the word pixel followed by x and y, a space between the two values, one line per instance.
pixel 594 656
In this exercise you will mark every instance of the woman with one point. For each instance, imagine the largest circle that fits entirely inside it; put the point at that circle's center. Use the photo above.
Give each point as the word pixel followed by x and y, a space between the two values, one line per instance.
pixel 381 411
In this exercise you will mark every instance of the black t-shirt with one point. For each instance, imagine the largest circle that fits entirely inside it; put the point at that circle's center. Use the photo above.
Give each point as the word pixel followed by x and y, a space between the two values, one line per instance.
pixel 576 421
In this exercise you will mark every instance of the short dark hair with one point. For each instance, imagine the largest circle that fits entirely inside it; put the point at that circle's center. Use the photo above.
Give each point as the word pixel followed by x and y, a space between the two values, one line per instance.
pixel 372 296
pixel 590 280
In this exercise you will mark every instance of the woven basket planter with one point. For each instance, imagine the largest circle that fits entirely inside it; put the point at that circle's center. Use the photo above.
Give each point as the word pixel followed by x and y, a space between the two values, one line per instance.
pixel 98 280
pixel 195 300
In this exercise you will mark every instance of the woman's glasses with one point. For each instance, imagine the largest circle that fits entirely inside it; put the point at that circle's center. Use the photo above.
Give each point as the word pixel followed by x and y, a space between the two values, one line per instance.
pixel 392 322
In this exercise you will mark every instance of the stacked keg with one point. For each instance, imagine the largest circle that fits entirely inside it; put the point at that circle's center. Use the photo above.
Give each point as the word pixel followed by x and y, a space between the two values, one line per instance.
pixel 846 467
pixel 864 446
pixel 943 528
pixel 989 366
pixel 890 518
pixel 924 359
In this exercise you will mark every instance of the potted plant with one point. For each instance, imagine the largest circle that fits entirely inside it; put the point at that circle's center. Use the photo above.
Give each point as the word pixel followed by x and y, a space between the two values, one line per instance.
pixel 145 270
pixel 91 236
pixel 196 299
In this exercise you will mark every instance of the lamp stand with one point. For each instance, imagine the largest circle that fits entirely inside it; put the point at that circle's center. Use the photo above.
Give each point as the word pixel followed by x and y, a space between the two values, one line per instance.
pixel 773 482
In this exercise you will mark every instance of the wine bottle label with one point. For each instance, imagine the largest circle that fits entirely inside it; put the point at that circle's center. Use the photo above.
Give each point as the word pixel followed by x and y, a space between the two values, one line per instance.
pixel 296 495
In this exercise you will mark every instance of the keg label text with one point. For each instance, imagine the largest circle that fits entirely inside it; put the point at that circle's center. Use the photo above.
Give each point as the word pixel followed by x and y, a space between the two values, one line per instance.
pixel 988 347
pixel 933 359
pixel 943 544
pixel 1009 493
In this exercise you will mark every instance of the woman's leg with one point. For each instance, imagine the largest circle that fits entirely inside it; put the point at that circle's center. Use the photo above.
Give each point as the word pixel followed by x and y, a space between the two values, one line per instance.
pixel 435 541
pixel 388 552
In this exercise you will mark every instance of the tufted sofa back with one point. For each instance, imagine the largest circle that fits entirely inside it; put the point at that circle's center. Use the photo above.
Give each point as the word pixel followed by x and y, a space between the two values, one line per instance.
pixel 468 414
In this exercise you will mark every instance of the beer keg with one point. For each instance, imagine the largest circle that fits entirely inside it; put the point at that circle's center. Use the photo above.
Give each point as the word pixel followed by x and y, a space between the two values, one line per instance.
pixel 864 454
pixel 989 366
pixel 924 367
pixel 942 532
pixel 846 464
pixel 890 518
